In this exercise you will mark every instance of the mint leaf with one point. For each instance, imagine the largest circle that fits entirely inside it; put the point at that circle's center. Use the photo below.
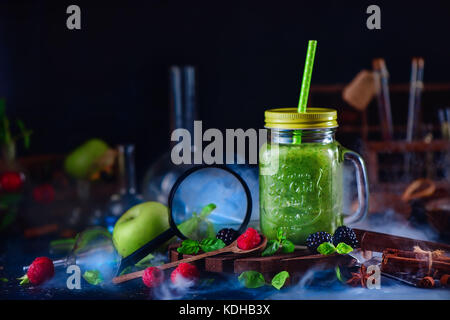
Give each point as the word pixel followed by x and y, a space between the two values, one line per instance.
pixel 3 280
pixel 339 275
pixel 343 248
pixel 279 279
pixel 206 211
pixel 281 236
pixel 93 277
pixel 271 248
pixel 251 279
pixel 211 244
pixel 326 248
pixel 287 246
pixel 189 247
pixel 210 231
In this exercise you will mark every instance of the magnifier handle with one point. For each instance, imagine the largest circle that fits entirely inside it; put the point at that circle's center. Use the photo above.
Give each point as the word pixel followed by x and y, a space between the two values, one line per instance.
pixel 143 251
pixel 138 274
pixel 195 258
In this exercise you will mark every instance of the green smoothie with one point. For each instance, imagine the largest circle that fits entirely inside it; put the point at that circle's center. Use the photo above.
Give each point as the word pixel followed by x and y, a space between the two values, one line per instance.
pixel 304 194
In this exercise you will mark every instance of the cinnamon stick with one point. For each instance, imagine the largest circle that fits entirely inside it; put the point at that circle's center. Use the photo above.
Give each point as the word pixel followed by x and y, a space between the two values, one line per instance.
pixel 415 255
pixel 40 231
pixel 376 241
pixel 393 264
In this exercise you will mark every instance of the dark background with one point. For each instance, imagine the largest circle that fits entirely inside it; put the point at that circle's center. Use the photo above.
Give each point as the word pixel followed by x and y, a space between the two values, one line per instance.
pixel 110 78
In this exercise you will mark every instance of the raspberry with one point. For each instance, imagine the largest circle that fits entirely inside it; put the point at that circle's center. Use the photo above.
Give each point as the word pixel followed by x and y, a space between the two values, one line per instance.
pixel 152 277
pixel 314 240
pixel 227 235
pixel 346 235
pixel 249 239
pixel 11 181
pixel 185 270
pixel 41 270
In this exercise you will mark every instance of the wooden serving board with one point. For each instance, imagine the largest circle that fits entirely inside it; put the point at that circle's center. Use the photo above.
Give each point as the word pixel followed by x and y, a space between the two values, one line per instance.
pixel 295 263
pixel 298 262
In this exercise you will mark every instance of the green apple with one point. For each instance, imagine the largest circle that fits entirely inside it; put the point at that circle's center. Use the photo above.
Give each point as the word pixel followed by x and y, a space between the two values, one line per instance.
pixel 139 225
pixel 81 161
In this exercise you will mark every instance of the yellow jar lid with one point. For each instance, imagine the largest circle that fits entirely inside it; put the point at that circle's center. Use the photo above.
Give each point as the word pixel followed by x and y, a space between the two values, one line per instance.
pixel 289 118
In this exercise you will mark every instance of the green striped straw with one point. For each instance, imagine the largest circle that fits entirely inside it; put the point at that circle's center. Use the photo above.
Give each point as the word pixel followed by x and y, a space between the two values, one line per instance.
pixel 306 82
pixel 307 72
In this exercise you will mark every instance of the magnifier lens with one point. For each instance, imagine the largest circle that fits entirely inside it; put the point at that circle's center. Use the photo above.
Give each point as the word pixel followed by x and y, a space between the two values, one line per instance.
pixel 208 200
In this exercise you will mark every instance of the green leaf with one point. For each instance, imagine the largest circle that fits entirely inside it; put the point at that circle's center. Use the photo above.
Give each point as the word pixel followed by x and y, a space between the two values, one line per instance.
pixel 281 235
pixel 326 248
pixel 211 244
pixel 343 248
pixel 287 246
pixel 206 211
pixel 251 279
pixel 4 280
pixel 271 248
pixel 189 247
pixel 93 277
pixel 145 262
pixel 24 280
pixel 279 279
pixel 189 227
pixel 339 275
pixel 210 232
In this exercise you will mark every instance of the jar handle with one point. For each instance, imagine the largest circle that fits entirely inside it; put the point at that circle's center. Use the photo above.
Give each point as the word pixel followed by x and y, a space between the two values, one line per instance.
pixel 362 185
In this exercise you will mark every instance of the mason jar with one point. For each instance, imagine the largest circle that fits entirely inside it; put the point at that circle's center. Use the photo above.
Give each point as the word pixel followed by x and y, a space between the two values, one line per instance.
pixel 301 175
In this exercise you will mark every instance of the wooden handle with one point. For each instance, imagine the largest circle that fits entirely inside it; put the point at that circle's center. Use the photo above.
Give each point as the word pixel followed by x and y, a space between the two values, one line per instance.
pixel 128 277
pixel 138 274
pixel 194 258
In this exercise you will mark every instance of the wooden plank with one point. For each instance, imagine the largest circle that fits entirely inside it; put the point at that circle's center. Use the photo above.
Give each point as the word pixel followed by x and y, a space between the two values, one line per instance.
pixel 223 263
pixel 317 261
pixel 265 264
pixel 296 262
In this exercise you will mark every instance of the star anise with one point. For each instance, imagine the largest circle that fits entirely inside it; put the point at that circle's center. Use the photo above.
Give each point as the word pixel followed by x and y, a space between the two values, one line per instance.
pixel 359 278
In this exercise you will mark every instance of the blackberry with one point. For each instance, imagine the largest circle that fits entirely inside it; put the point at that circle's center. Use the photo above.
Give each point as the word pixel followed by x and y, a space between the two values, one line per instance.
pixel 346 235
pixel 314 240
pixel 227 235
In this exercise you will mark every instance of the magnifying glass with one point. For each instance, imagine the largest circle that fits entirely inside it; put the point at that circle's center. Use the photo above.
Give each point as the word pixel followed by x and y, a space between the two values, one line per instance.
pixel 204 200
